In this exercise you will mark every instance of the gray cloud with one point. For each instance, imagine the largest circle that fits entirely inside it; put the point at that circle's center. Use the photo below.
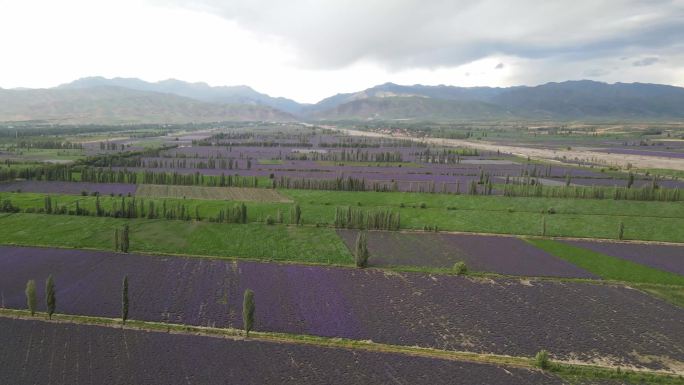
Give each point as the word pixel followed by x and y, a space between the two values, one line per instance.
pixel 645 62
pixel 416 33
pixel 499 66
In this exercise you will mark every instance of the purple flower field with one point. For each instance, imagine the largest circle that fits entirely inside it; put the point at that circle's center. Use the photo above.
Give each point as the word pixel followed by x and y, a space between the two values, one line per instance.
pixel 503 316
pixel 95 354
pixel 664 257
pixel 34 186
pixel 496 254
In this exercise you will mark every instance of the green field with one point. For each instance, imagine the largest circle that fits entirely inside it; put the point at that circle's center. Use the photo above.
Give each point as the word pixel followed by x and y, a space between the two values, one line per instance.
pixel 298 244
pixel 243 194
pixel 587 218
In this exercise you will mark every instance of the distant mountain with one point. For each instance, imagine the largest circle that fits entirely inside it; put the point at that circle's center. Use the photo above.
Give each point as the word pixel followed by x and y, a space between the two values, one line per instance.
pixel 412 107
pixel 97 99
pixel 117 105
pixel 571 100
pixel 590 99
pixel 198 91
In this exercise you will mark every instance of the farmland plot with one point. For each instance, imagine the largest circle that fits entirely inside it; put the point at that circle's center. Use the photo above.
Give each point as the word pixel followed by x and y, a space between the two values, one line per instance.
pixel 35 186
pixel 503 255
pixel 85 354
pixel 664 257
pixel 504 316
pixel 244 194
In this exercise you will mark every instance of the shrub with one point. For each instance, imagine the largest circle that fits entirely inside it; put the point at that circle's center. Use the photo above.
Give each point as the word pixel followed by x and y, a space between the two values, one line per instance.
pixel 423 205
pixel 541 359
pixel 551 210
pixel 460 268
pixel 270 220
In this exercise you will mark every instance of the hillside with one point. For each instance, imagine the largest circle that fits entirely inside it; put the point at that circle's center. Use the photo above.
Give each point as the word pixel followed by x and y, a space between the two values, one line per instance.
pixel 572 100
pixel 116 105
pixel 199 91
pixel 413 107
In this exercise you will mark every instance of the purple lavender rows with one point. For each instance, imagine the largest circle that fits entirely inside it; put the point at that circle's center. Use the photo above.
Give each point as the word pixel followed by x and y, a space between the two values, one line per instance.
pixel 100 355
pixel 447 312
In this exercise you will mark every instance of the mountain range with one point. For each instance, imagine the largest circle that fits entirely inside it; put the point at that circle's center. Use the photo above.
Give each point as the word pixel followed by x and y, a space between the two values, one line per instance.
pixel 130 100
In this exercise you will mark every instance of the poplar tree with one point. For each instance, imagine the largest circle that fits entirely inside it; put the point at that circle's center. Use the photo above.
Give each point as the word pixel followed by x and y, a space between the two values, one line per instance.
pixel 361 250
pixel 621 230
pixel 248 311
pixel 124 300
pixel 50 299
pixel 31 296
pixel 296 215
pixel 124 239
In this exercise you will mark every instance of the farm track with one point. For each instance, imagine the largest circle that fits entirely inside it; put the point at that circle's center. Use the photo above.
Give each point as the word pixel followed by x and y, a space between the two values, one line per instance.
pixel 498 316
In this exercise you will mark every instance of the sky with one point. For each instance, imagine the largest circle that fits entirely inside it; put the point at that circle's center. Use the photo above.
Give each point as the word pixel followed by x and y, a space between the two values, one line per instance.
pixel 307 50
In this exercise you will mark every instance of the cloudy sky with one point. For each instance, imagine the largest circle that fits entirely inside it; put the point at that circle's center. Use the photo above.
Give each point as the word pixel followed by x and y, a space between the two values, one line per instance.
pixel 308 50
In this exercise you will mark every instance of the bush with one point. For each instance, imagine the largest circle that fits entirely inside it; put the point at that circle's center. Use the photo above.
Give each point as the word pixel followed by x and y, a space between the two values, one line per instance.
pixel 541 359
pixel 460 268
pixel 270 220
pixel 551 210
pixel 423 205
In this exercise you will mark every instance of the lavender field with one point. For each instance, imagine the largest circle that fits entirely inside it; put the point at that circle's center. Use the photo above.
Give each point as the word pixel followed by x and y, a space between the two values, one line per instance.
pixel 496 254
pixel 503 316
pixel 82 354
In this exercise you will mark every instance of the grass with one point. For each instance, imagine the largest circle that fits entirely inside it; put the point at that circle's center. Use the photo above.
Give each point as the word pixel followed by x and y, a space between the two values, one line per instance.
pixel 46 154
pixel 572 372
pixel 244 194
pixel 583 218
pixel 672 294
pixel 368 164
pixel 654 221
pixel 607 267
pixel 256 241
pixel 270 161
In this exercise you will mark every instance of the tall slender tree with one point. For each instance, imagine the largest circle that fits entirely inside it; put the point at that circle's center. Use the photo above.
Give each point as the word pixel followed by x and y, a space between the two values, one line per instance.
pixel 31 300
pixel 124 300
pixel 50 298
pixel 361 250
pixel 296 215
pixel 116 240
pixel 124 239
pixel 248 311
pixel 621 230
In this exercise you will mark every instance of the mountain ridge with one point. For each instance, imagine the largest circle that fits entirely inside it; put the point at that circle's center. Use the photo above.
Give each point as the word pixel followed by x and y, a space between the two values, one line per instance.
pixel 568 100
pixel 118 105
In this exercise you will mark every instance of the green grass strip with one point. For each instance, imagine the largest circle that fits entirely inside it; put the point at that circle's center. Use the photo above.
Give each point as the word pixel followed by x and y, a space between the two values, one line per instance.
pixel 605 266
